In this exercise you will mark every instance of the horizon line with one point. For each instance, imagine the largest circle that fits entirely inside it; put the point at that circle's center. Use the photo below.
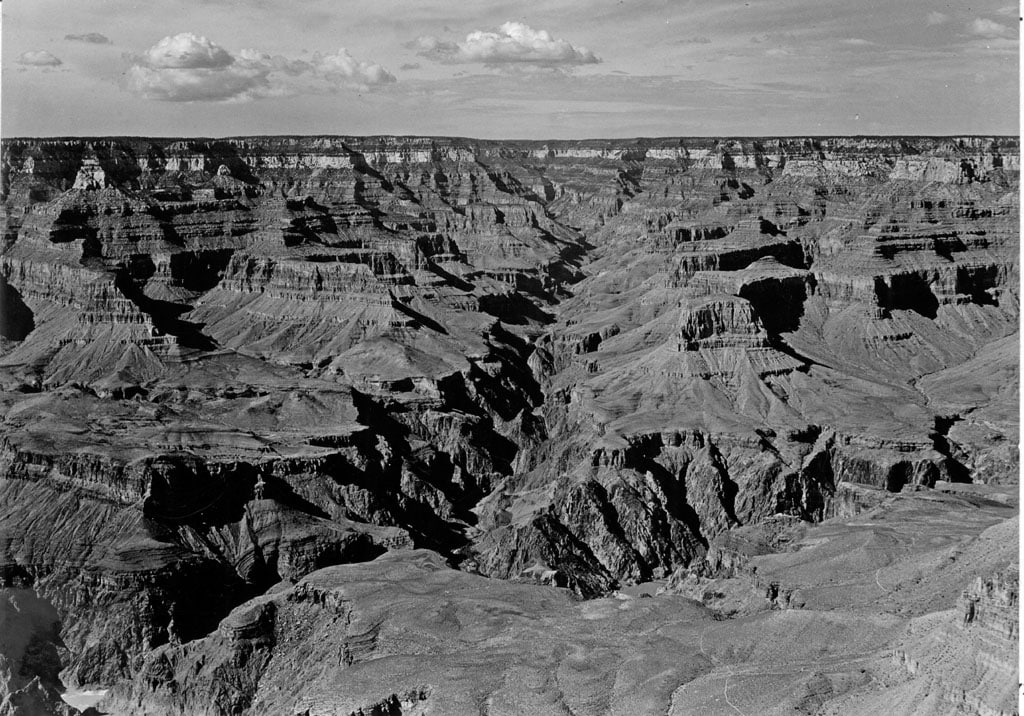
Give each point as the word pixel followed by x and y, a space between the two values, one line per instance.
pixel 637 138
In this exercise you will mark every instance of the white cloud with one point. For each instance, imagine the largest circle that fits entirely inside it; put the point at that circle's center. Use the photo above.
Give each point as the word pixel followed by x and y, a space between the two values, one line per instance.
pixel 92 37
pixel 342 65
pixel 937 18
pixel 200 84
pixel 187 51
pixel 514 42
pixel 989 28
pixel 191 68
pixel 38 58
pixel 857 42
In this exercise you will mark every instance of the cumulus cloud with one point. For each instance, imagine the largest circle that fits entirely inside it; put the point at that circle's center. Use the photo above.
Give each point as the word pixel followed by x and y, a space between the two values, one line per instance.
pixel 38 58
pixel 198 85
pixel 342 65
pixel 191 68
pixel 514 42
pixel 989 28
pixel 187 51
pixel 937 18
pixel 92 37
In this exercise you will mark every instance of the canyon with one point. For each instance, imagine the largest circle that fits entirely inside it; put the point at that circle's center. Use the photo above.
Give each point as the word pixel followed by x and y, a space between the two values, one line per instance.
pixel 409 425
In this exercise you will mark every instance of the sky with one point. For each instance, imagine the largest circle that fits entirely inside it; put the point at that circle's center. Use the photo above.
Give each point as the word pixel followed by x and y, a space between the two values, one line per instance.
pixel 502 69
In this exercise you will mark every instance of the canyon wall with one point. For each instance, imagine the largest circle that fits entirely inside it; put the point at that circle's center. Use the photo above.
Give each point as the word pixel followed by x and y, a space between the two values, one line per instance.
pixel 227 364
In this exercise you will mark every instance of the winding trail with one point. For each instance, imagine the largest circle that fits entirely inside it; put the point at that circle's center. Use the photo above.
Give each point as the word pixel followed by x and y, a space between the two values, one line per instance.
pixel 729 673
pixel 906 553
pixel 876 578
pixel 725 692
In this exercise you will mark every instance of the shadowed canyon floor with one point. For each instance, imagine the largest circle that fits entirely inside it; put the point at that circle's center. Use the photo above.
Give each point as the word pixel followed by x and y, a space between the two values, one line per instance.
pixel 408 425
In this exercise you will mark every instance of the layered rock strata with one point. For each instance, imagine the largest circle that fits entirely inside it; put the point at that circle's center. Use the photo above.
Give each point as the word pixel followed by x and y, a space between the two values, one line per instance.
pixel 227 364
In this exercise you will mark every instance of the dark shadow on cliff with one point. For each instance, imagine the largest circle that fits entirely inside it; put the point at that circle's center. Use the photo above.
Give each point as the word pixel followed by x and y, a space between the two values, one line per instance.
pixel 451 278
pixel 419 317
pixel 909 292
pixel 955 470
pixel 164 314
pixel 779 304
pixel 16 318
pixel 514 309
pixel 225 153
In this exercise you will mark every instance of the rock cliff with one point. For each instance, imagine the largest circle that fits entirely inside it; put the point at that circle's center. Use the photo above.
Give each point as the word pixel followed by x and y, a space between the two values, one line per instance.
pixel 228 365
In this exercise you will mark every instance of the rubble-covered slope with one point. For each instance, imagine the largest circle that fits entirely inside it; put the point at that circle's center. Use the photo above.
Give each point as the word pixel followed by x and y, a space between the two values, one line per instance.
pixel 227 364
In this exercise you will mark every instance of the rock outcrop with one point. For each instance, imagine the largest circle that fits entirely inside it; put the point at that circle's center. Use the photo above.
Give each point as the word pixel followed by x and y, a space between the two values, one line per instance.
pixel 968 657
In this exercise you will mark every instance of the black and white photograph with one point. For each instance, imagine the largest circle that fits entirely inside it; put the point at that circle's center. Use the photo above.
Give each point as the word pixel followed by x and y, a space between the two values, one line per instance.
pixel 491 358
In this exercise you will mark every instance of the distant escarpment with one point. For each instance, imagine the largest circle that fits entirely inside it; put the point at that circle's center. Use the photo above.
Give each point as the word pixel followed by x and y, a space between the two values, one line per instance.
pixel 227 364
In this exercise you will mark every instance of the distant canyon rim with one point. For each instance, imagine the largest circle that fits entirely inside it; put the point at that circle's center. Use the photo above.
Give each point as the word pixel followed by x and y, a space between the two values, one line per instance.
pixel 410 425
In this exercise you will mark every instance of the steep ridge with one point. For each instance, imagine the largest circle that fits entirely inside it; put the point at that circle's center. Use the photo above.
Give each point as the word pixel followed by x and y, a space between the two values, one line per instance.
pixel 230 363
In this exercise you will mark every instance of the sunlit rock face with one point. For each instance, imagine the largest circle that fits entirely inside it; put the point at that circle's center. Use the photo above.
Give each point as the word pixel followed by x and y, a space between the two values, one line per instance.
pixel 229 364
